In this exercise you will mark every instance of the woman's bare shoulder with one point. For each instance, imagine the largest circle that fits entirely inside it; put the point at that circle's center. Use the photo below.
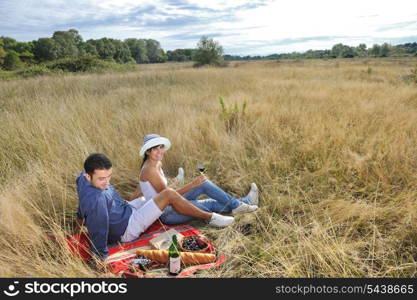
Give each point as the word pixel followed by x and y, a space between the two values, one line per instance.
pixel 147 173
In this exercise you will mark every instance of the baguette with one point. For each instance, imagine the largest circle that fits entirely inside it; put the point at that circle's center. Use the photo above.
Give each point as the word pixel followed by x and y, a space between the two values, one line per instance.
pixel 161 256
pixel 197 258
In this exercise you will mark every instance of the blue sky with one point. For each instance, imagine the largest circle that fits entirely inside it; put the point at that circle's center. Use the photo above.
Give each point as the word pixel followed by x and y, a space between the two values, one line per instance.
pixel 242 27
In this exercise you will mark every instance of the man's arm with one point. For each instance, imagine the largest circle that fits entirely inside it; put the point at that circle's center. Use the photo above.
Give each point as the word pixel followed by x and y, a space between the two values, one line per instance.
pixel 97 222
pixel 79 221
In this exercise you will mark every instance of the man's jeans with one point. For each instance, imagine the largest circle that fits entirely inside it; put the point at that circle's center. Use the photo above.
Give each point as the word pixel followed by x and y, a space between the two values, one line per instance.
pixel 219 202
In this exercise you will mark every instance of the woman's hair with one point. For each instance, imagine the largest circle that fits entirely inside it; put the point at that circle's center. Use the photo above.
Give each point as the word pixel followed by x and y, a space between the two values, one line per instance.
pixel 145 156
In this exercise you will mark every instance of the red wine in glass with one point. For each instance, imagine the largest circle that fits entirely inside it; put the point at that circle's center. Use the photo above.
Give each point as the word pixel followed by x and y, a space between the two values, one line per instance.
pixel 201 168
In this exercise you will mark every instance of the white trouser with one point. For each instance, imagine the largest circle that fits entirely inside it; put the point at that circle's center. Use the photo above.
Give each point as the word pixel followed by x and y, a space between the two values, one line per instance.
pixel 144 213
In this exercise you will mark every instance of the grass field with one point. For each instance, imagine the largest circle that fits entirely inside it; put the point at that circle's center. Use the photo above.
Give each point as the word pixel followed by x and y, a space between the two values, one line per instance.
pixel 332 144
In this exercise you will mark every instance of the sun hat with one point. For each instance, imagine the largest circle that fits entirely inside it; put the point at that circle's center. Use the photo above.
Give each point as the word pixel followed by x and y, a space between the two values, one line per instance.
pixel 152 140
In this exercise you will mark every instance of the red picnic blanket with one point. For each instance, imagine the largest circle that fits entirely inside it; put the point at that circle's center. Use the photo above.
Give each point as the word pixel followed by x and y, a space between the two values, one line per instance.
pixel 120 255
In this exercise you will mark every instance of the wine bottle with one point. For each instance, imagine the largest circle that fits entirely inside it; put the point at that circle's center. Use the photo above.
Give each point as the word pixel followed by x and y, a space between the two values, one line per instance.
pixel 174 262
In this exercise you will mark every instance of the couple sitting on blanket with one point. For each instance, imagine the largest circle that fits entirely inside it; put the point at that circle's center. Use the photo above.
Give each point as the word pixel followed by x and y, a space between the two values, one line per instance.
pixel 110 219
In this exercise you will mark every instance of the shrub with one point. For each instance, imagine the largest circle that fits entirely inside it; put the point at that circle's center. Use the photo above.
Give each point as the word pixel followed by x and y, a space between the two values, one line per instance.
pixel 7 75
pixel 86 63
pixel 209 52
pixel 35 70
pixel 12 61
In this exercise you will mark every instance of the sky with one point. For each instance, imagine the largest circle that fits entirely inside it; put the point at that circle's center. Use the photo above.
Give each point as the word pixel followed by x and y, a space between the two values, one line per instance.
pixel 242 27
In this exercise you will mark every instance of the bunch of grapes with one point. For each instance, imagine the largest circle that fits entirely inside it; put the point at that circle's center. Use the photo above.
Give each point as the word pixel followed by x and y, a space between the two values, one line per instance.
pixel 193 243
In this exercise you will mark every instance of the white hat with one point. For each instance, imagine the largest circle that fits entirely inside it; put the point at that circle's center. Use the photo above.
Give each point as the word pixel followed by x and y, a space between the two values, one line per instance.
pixel 152 140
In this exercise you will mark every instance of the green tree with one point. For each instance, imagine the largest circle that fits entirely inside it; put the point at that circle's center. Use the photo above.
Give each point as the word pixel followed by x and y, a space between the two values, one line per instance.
pixel 45 49
pixel 27 57
pixel 317 54
pixel 105 48
pixel 78 39
pixel 8 43
pixel 21 47
pixel 361 50
pixel 2 55
pixel 375 50
pixel 208 52
pixel 409 48
pixel 122 54
pixel 384 50
pixel 67 43
pixel 109 49
pixel 90 48
pixel 155 52
pixel 397 51
pixel 340 50
pixel 12 61
pixel 180 54
pixel 138 50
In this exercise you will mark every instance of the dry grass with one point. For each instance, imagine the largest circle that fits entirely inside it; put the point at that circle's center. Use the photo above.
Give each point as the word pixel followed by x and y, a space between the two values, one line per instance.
pixel 332 145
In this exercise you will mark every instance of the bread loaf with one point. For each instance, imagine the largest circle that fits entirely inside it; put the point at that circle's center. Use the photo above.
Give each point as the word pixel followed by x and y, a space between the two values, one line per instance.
pixel 161 256
pixel 197 258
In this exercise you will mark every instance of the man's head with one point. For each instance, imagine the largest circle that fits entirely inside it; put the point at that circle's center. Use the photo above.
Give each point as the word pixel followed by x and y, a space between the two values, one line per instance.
pixel 98 169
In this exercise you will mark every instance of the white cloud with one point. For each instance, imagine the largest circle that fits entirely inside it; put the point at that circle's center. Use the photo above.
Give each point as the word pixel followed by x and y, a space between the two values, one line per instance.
pixel 241 26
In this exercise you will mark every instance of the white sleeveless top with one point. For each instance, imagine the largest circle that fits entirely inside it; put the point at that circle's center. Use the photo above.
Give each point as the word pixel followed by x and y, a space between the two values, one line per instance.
pixel 147 188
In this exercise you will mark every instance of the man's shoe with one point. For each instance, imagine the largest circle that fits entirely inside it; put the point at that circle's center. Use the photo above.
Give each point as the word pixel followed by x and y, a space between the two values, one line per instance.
pixel 244 208
pixel 220 221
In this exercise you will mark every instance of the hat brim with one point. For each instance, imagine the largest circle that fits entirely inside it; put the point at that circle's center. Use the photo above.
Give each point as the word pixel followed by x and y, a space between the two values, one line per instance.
pixel 155 142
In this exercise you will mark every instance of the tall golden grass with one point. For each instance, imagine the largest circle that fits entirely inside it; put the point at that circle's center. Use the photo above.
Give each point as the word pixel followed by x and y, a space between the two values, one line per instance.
pixel 331 144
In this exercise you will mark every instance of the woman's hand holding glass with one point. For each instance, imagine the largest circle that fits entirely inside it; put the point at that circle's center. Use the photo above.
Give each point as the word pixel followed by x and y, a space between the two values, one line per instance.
pixel 199 180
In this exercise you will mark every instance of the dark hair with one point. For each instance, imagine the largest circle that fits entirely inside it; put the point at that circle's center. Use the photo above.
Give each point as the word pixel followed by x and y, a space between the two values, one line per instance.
pixel 96 161
pixel 145 155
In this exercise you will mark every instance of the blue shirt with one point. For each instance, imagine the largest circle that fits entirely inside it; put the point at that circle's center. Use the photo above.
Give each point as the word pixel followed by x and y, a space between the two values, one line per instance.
pixel 105 213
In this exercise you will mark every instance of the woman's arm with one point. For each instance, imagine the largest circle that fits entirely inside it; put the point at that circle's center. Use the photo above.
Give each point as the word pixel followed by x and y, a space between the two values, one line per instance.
pixel 195 183
pixel 137 194
pixel 138 191
pixel 155 178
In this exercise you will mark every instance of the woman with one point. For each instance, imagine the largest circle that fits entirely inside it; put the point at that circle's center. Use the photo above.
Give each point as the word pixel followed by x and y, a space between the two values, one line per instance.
pixel 152 181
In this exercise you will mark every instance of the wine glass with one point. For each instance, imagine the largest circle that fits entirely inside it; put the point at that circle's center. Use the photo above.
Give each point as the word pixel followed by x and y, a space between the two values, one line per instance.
pixel 201 168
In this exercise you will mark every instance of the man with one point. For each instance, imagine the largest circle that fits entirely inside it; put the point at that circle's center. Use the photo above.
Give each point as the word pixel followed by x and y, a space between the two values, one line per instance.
pixel 110 219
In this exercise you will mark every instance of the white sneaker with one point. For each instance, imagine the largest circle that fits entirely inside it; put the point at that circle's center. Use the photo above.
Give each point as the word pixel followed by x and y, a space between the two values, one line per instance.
pixel 180 176
pixel 253 194
pixel 244 208
pixel 220 221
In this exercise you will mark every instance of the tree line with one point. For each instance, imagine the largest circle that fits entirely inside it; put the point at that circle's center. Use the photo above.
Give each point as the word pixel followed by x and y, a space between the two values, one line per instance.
pixel 70 44
pixel 341 51
pixel 68 51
